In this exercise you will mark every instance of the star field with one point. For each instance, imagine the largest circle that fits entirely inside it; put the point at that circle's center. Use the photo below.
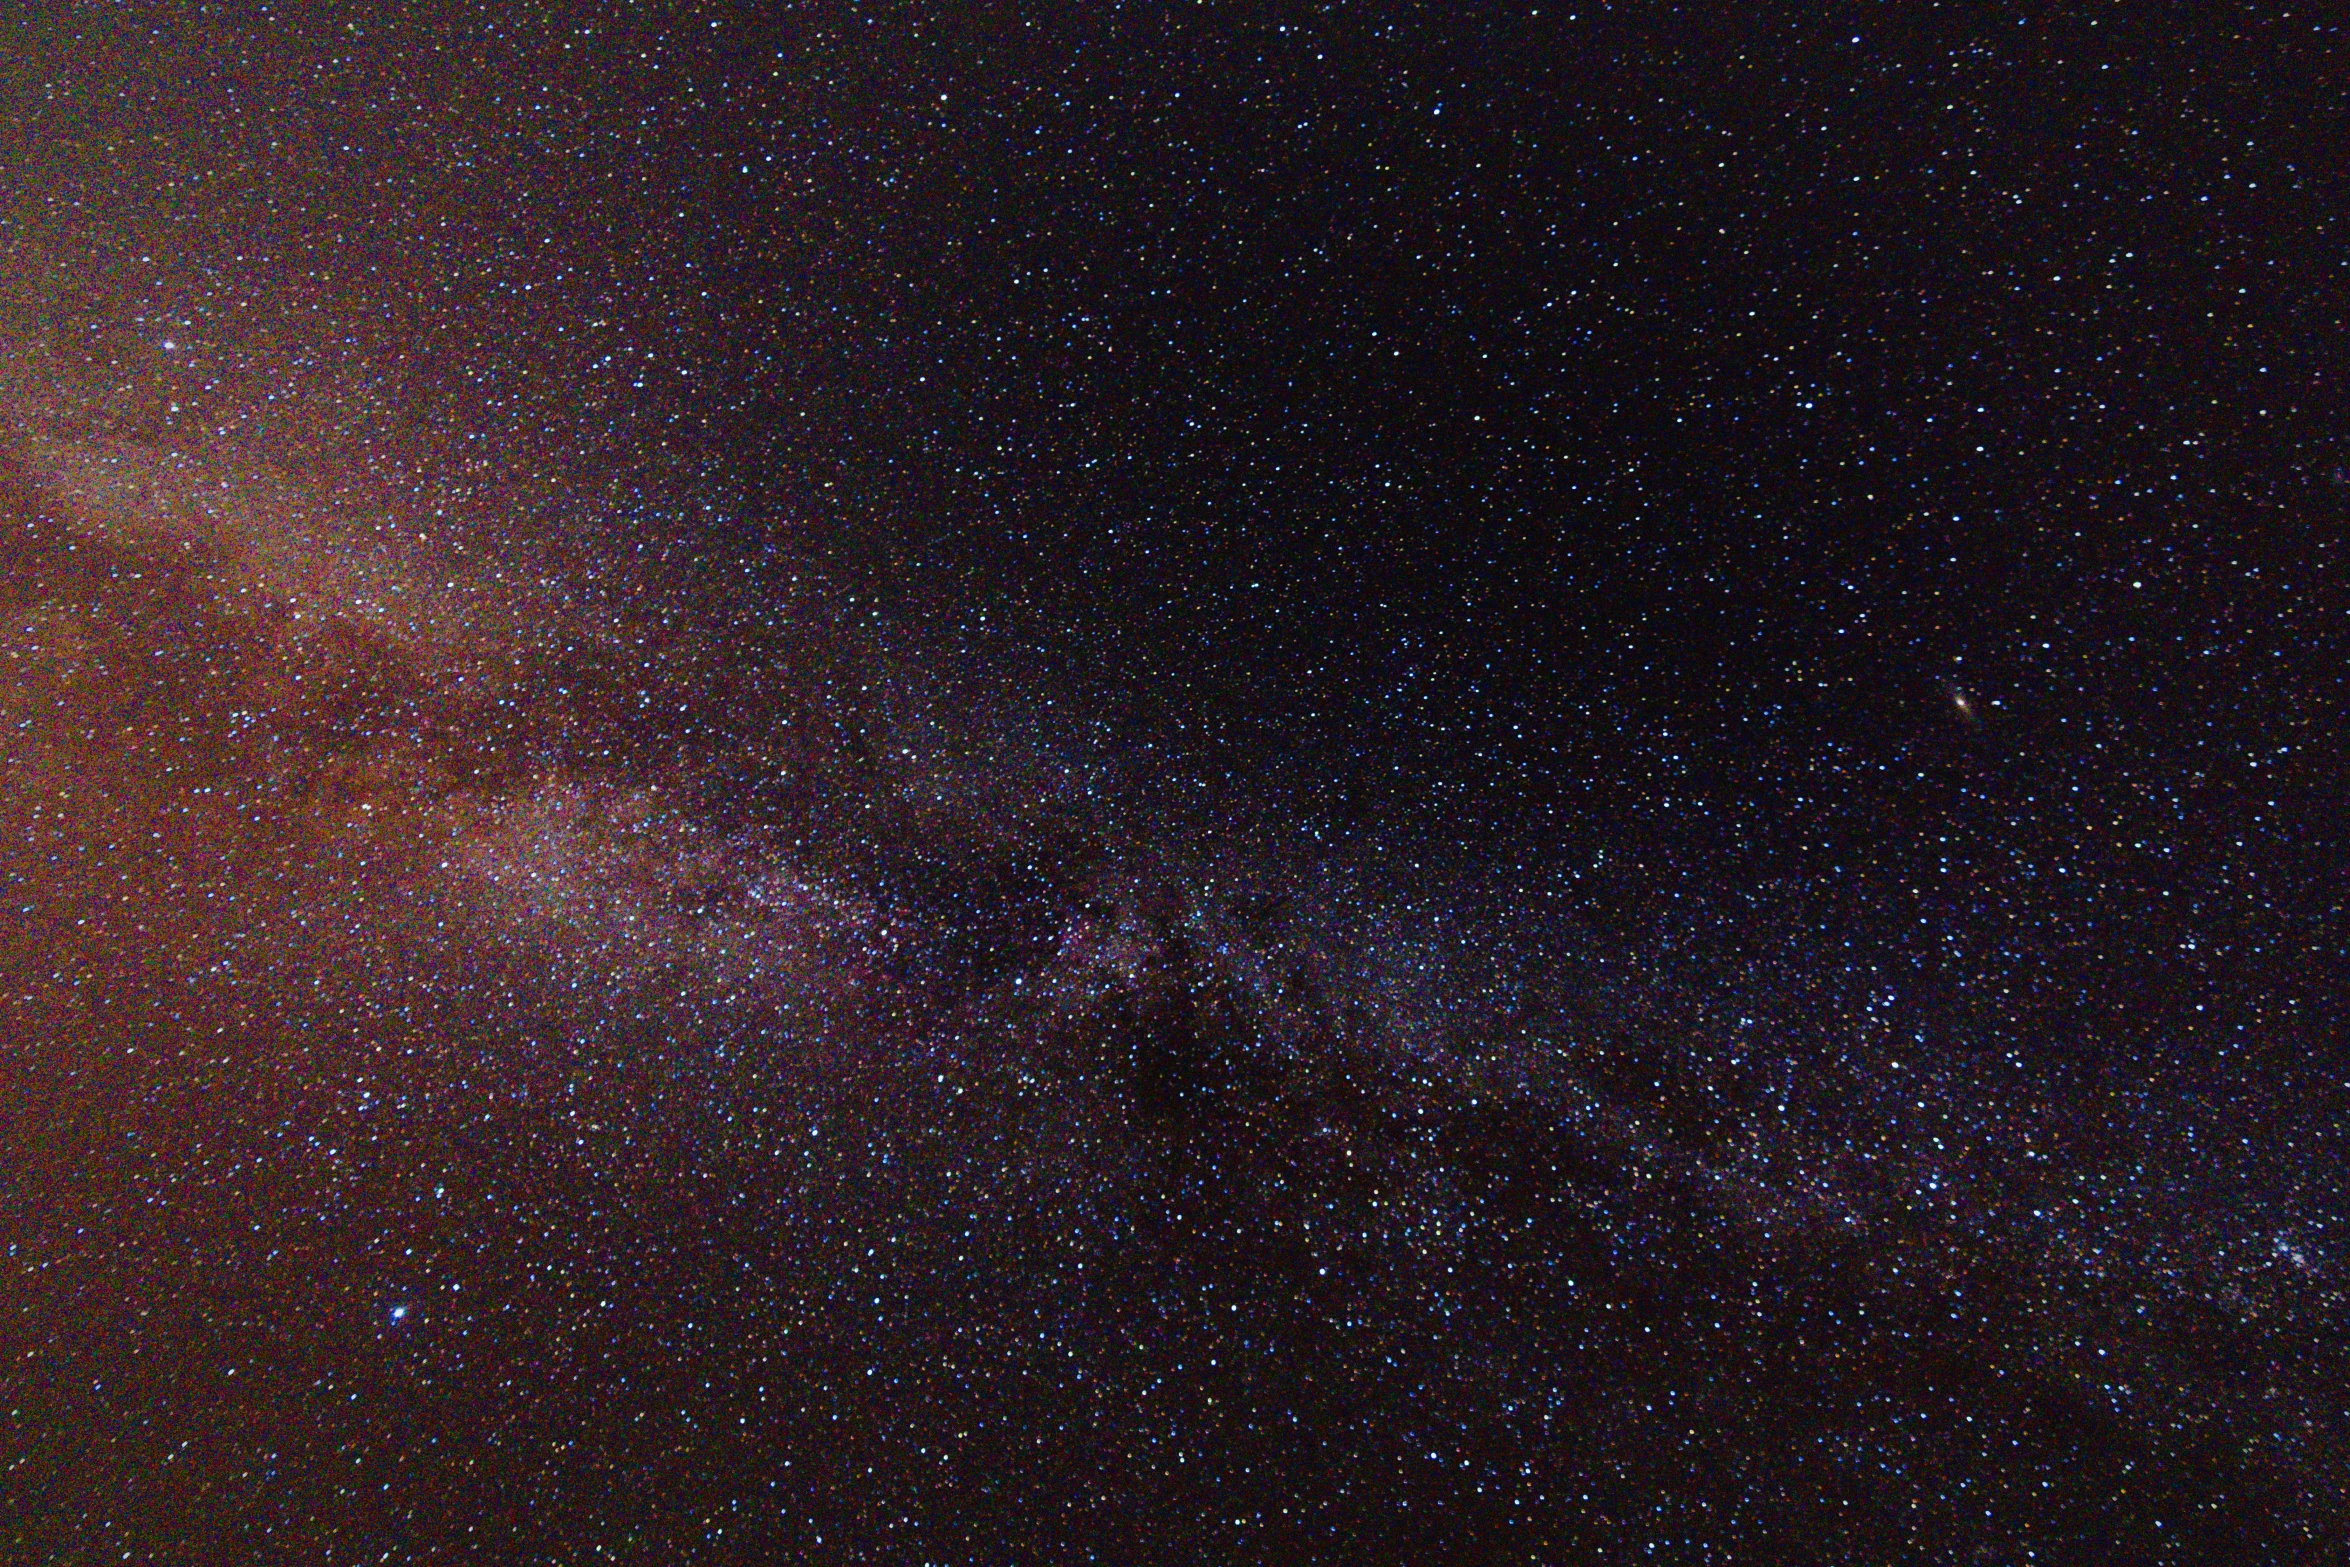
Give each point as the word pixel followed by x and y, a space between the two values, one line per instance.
pixel 1399 783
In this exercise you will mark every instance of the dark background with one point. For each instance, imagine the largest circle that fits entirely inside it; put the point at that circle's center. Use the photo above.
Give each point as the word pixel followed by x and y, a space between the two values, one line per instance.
pixel 1394 387
pixel 1831 516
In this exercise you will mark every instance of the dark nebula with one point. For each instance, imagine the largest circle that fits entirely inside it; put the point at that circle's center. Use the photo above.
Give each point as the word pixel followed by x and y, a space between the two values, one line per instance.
pixel 1413 783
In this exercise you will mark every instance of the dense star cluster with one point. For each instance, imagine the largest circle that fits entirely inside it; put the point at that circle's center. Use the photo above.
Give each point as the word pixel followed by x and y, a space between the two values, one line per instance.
pixel 1403 783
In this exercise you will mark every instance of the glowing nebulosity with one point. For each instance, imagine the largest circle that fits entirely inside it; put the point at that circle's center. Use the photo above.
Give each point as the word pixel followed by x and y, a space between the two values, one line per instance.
pixel 340 851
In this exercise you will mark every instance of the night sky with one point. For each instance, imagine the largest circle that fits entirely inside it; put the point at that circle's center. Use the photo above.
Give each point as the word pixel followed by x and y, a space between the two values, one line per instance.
pixel 1184 783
